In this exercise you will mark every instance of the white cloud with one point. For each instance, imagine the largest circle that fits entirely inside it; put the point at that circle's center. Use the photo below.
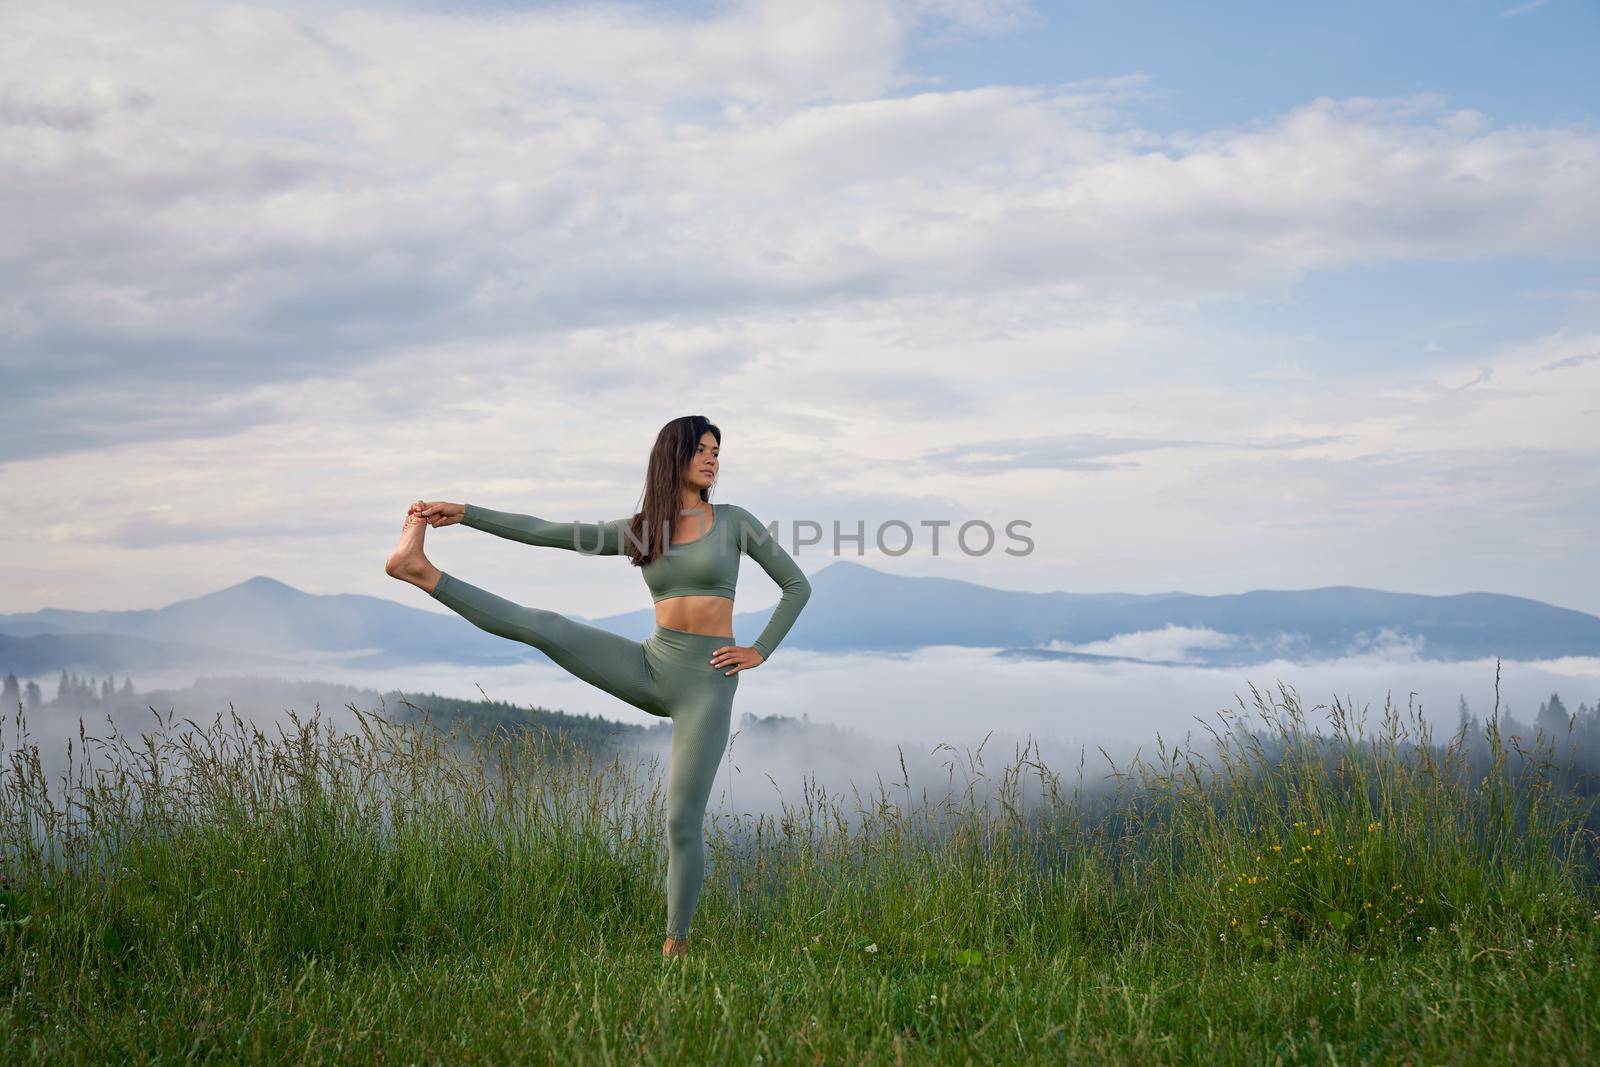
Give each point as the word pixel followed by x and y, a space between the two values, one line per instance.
pixel 277 272
pixel 352 182
pixel 1168 643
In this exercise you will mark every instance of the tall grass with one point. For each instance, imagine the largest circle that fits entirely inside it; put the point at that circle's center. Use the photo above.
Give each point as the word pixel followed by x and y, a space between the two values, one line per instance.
pixel 453 895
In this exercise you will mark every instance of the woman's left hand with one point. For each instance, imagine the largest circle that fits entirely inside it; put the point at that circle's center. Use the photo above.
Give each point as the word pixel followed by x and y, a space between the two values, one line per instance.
pixel 736 656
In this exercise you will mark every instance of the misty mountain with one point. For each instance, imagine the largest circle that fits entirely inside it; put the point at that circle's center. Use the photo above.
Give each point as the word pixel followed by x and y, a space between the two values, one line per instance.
pixel 870 609
pixel 852 608
pixel 115 653
pixel 256 621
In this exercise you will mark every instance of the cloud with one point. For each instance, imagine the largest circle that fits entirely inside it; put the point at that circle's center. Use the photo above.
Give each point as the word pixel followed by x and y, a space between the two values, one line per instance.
pixel 1571 361
pixel 484 253
pixel 1080 452
pixel 353 185
pixel 1523 9
pixel 1087 452
pixel 1170 643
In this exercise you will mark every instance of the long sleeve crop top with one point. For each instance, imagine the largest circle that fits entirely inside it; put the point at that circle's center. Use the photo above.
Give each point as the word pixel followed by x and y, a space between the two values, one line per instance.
pixel 705 566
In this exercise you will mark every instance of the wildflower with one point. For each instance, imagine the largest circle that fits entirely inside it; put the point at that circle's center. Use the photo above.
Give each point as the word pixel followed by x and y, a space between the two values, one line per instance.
pixel 1233 921
pixel 1277 848
pixel 1317 832
pixel 1373 826
pixel 871 948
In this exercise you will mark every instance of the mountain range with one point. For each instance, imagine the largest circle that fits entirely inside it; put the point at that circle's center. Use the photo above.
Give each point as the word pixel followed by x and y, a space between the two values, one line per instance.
pixel 263 623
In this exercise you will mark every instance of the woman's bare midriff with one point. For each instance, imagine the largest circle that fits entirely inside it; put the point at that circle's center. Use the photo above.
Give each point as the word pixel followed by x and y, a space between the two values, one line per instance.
pixel 709 615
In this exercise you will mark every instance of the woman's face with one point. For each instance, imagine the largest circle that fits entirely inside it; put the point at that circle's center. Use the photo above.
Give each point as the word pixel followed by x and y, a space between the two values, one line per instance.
pixel 702 469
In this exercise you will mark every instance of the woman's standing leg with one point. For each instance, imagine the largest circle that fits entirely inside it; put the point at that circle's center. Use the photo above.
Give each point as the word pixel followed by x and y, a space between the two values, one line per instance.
pixel 699 738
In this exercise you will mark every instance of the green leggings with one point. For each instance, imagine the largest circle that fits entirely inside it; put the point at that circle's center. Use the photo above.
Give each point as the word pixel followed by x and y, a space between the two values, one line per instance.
pixel 668 674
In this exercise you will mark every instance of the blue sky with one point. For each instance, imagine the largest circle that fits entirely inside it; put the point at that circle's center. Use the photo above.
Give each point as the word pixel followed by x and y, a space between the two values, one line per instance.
pixel 1213 65
pixel 1219 298
pixel 1206 67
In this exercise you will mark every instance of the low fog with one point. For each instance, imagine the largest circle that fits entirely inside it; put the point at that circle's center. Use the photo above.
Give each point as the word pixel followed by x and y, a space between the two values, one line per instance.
pixel 937 708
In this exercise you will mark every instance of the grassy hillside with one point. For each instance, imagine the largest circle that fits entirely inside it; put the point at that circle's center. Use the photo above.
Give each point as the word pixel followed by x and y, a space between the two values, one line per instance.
pixel 407 893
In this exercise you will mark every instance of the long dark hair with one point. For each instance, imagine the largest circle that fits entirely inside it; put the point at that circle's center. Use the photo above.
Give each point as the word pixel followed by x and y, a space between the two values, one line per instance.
pixel 651 526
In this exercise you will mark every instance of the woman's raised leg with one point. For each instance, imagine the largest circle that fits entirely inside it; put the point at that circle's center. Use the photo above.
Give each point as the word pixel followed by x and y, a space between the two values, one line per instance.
pixel 605 660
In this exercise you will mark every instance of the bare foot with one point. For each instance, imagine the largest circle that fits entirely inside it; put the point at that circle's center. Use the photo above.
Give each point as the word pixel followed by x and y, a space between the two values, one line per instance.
pixel 675 946
pixel 407 562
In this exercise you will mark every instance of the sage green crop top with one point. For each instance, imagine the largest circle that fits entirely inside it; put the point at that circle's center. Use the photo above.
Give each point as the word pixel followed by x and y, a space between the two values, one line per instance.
pixel 705 566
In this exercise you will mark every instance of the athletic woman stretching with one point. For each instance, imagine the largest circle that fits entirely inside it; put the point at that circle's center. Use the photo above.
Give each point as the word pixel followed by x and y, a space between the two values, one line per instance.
pixel 688 669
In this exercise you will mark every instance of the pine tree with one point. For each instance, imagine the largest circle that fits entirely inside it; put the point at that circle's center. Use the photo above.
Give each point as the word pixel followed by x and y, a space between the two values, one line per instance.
pixel 127 687
pixel 1553 717
pixel 32 696
pixel 63 688
pixel 106 689
pixel 11 693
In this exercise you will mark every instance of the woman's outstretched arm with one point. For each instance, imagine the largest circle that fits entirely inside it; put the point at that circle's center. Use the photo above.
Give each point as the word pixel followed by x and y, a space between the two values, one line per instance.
pixel 591 538
pixel 762 546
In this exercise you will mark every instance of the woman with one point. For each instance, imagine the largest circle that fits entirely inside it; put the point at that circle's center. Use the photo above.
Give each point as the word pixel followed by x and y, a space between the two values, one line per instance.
pixel 688 669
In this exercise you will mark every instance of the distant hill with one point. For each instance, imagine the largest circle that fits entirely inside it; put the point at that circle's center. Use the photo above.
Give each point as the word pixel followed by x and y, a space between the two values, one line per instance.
pixel 855 607
pixel 263 623
pixel 260 622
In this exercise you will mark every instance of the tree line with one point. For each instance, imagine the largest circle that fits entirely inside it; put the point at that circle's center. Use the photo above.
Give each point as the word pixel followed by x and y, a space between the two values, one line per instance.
pixel 72 691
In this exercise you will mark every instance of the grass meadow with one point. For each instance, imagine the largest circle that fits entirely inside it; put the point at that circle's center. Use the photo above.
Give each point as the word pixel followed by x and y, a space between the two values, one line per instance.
pixel 409 892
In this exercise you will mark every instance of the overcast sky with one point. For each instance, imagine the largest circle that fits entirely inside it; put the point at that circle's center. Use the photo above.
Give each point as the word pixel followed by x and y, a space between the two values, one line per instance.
pixel 1218 301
